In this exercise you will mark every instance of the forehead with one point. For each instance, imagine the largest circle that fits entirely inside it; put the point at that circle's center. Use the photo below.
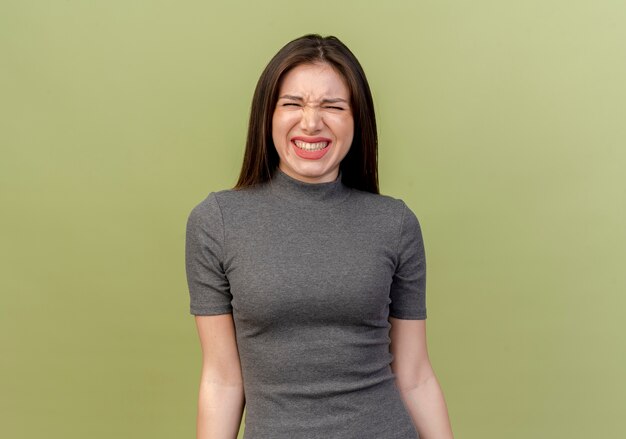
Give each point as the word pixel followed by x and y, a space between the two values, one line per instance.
pixel 314 80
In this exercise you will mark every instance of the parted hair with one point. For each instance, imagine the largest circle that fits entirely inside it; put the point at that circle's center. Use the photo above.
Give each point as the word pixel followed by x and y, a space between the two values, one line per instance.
pixel 359 168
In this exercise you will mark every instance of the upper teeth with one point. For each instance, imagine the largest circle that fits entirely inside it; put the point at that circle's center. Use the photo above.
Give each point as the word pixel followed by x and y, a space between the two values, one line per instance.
pixel 310 146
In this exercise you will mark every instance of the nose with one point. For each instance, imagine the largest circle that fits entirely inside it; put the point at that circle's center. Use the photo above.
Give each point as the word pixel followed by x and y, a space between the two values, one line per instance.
pixel 311 119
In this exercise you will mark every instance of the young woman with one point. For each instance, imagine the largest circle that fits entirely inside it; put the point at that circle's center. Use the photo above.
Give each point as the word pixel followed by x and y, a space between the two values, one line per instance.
pixel 308 286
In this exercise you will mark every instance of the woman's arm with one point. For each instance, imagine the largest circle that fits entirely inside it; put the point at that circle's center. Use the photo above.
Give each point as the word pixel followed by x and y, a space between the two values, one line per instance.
pixel 221 398
pixel 416 379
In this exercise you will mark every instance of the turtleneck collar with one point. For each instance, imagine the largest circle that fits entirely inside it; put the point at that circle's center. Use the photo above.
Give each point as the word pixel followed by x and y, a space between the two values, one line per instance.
pixel 304 193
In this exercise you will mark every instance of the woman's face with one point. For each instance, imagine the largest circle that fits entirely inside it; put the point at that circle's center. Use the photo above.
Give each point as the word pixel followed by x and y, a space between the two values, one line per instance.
pixel 312 125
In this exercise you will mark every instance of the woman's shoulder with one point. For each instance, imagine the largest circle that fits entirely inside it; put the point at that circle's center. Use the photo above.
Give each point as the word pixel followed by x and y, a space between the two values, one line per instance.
pixel 378 202
pixel 228 198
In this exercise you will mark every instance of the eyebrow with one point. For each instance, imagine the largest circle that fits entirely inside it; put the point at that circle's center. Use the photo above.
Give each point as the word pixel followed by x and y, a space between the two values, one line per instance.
pixel 324 101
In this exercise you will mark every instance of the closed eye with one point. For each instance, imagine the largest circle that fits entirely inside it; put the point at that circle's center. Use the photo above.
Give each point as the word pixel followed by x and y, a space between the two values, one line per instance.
pixel 335 108
pixel 289 104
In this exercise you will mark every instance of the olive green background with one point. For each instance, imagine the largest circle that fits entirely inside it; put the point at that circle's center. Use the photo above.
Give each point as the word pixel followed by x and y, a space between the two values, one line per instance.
pixel 502 125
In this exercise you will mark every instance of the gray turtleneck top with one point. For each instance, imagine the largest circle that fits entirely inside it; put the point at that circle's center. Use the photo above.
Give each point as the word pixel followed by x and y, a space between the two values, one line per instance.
pixel 310 272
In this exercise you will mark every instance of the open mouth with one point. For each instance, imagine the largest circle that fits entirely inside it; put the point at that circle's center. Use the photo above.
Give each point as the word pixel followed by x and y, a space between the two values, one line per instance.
pixel 317 146
pixel 314 149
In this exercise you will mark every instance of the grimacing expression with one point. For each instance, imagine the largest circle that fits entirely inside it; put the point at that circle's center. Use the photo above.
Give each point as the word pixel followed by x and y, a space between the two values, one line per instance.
pixel 312 124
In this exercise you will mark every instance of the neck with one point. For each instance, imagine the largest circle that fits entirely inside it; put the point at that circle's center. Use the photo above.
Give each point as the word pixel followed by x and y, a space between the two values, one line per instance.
pixel 321 179
pixel 307 193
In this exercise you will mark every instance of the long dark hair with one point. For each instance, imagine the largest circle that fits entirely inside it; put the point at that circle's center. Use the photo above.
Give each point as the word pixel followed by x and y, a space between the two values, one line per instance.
pixel 359 168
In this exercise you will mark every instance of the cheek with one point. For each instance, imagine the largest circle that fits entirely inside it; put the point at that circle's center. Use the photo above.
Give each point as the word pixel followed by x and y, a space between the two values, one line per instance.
pixel 275 123
pixel 278 131
pixel 341 125
pixel 346 130
pixel 282 123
